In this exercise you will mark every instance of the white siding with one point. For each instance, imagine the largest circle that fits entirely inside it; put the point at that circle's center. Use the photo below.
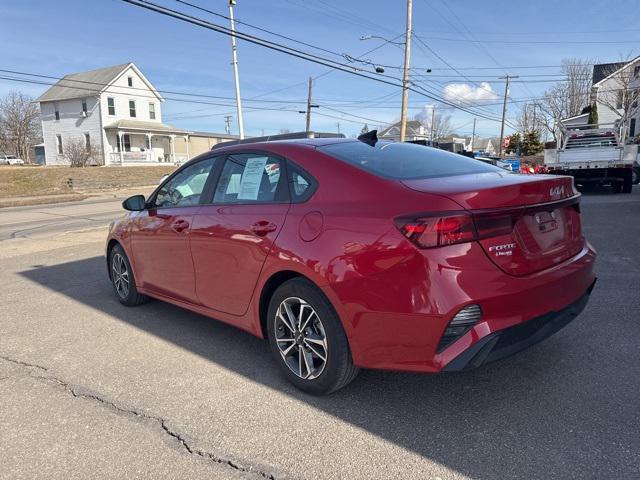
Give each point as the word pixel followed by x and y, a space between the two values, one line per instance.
pixel 71 126
pixel 120 91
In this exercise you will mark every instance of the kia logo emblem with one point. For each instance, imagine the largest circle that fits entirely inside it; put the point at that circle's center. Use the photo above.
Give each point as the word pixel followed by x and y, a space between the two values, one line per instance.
pixel 557 191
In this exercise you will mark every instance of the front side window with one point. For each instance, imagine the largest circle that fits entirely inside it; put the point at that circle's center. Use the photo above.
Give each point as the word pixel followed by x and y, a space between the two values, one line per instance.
pixel 56 111
pixel 59 144
pixel 404 161
pixel 130 81
pixel 132 108
pixel 84 106
pixel 87 141
pixel 185 188
pixel 111 105
pixel 249 178
pixel 152 111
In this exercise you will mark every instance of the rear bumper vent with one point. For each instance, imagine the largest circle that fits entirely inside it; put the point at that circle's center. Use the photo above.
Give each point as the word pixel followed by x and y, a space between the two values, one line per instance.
pixel 459 325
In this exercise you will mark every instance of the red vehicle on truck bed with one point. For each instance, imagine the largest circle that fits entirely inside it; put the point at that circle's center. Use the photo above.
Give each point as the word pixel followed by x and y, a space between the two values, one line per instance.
pixel 347 254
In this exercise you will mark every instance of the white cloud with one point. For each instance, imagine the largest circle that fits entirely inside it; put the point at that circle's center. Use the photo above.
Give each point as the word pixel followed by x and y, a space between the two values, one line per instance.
pixel 465 93
pixel 424 115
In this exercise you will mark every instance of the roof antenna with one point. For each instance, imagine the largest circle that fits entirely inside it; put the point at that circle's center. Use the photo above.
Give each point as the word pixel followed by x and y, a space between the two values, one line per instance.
pixel 370 138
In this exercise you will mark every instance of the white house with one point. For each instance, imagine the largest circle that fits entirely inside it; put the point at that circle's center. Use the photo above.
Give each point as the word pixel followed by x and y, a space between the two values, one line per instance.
pixel 415 131
pixel 115 109
pixel 612 83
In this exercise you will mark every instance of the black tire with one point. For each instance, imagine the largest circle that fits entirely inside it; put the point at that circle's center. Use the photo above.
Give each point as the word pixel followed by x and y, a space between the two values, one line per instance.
pixel 627 185
pixel 616 187
pixel 338 369
pixel 635 176
pixel 119 272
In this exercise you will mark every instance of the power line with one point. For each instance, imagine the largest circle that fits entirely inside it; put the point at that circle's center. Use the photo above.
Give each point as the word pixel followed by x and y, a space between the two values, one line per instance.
pixel 286 50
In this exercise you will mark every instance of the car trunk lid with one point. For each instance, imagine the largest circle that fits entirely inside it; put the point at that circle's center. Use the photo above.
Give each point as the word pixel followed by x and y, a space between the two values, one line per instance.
pixel 525 224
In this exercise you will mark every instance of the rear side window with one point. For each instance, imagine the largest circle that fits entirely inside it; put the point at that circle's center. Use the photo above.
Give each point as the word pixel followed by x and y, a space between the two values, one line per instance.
pixel 404 161
pixel 249 178
pixel 301 184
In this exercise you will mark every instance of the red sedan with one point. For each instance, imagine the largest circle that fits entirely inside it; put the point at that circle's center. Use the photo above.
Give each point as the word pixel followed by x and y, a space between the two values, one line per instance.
pixel 349 254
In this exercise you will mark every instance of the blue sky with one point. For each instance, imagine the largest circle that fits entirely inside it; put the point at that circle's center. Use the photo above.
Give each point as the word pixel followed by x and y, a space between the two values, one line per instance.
pixel 66 36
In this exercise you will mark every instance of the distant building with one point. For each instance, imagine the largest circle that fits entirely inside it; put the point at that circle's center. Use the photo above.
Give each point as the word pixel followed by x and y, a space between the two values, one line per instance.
pixel 415 131
pixel 608 80
pixel 117 110
pixel 488 145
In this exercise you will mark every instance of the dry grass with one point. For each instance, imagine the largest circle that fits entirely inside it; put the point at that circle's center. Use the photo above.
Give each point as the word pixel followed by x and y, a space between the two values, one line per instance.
pixel 32 181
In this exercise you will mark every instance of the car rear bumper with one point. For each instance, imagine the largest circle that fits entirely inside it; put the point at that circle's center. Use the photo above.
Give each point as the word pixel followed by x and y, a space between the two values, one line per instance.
pixel 504 343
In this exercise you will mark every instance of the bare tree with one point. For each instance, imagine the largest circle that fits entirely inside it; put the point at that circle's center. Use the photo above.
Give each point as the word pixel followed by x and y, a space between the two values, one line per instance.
pixel 568 97
pixel 621 94
pixel 532 118
pixel 19 125
pixel 79 154
pixel 441 123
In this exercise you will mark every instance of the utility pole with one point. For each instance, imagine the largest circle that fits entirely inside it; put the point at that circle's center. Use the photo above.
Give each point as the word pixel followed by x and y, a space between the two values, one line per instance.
pixel 308 124
pixel 309 107
pixel 433 122
pixel 473 135
pixel 504 108
pixel 227 124
pixel 405 74
pixel 338 125
pixel 234 56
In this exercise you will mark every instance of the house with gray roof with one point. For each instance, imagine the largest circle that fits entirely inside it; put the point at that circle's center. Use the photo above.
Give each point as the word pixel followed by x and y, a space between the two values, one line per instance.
pixel 115 109
pixel 615 90
pixel 415 131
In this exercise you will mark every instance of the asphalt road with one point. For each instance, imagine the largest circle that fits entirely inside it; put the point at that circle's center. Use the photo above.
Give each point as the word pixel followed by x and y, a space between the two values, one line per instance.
pixel 89 388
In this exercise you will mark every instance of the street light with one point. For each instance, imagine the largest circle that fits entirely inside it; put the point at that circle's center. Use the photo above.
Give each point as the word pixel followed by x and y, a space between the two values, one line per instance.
pixel 386 40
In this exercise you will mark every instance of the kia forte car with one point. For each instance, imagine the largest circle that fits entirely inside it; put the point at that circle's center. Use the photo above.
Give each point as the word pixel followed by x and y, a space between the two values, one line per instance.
pixel 348 254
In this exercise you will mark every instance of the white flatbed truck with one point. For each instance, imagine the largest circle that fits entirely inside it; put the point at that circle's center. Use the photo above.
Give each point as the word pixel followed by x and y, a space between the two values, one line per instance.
pixel 593 155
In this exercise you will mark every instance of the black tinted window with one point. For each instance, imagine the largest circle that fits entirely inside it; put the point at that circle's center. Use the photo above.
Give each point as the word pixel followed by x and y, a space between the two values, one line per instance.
pixel 405 160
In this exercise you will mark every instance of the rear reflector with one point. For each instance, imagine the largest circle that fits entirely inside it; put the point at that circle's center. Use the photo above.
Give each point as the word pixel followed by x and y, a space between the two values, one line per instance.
pixel 459 325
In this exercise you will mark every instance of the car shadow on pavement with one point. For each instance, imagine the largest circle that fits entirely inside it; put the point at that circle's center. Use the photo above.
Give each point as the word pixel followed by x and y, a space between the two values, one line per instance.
pixel 537 414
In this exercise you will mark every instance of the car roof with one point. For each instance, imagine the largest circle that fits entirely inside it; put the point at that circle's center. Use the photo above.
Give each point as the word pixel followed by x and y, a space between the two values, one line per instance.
pixel 307 142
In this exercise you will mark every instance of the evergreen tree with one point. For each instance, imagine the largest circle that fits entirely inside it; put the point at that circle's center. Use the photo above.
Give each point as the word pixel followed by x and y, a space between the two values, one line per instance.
pixel 514 141
pixel 531 144
pixel 593 114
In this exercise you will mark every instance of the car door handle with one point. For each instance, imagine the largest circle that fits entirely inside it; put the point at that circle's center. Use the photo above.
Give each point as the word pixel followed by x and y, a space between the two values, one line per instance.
pixel 180 225
pixel 263 227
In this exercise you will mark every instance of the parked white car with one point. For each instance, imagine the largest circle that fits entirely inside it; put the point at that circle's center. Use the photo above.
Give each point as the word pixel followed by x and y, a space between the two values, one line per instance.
pixel 10 160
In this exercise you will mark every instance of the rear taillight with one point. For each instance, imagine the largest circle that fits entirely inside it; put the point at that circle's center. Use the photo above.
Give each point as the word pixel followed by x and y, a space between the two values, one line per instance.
pixel 437 231
pixel 446 229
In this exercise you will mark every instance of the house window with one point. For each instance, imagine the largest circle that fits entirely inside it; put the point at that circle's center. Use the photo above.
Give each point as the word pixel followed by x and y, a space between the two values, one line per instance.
pixel 636 71
pixel 619 99
pixel 152 111
pixel 111 106
pixel 130 81
pixel 84 106
pixel 59 144
pixel 126 140
pixel 57 112
pixel 87 141
pixel 132 108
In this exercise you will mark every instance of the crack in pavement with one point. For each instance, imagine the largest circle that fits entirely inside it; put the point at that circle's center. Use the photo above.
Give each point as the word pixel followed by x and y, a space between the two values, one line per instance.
pixel 82 393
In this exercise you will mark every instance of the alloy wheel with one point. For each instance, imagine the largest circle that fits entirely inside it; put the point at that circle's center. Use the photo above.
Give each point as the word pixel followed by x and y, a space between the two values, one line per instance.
pixel 120 275
pixel 301 338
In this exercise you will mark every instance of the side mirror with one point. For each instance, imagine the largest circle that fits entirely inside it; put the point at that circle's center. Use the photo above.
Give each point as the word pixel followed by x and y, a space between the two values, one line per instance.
pixel 134 204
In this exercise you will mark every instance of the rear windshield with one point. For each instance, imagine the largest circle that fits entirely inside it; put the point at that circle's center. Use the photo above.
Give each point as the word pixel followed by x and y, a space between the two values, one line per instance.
pixel 406 161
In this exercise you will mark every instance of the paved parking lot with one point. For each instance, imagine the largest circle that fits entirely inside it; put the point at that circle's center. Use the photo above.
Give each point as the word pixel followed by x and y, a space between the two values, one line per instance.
pixel 90 388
